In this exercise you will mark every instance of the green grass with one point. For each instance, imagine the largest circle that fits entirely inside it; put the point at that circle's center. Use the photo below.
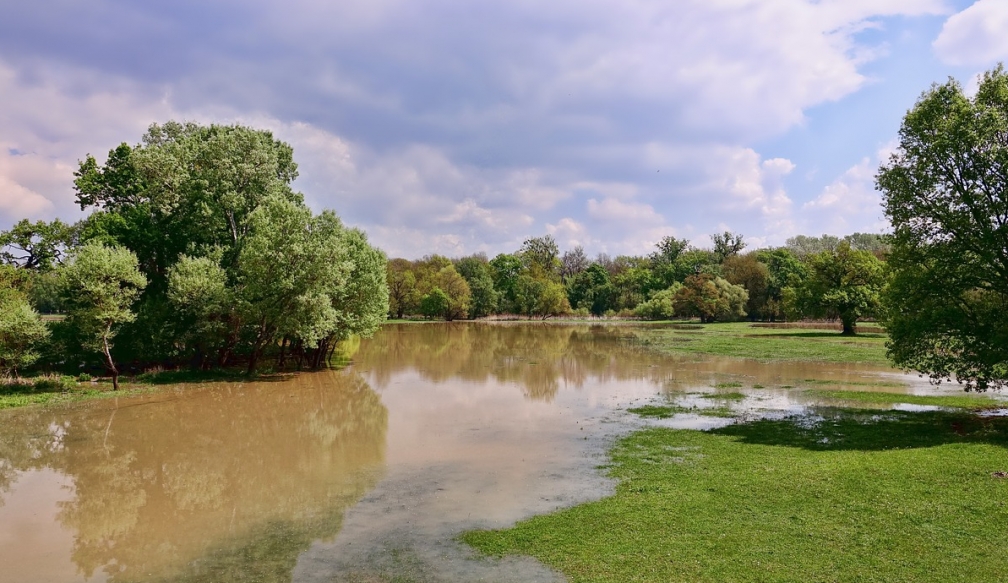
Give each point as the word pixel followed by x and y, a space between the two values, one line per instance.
pixel 858 496
pixel 964 401
pixel 732 396
pixel 742 340
pixel 667 411
pixel 46 391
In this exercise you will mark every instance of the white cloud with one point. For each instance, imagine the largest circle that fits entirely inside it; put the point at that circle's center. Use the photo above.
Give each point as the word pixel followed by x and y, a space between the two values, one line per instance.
pixel 976 36
pixel 850 203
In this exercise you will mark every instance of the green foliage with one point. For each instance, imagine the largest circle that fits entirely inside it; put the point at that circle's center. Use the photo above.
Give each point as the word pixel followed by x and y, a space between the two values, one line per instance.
pixel 100 285
pixel 727 245
pixel 784 270
pixel 21 333
pixel 710 298
pixel 593 290
pixel 478 274
pixel 541 257
pixel 38 246
pixel 506 269
pixel 944 192
pixel 747 271
pixel 661 305
pixel 435 304
pixel 843 283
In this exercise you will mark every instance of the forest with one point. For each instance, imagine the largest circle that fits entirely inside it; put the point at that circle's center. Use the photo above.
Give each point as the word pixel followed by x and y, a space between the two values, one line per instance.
pixel 810 277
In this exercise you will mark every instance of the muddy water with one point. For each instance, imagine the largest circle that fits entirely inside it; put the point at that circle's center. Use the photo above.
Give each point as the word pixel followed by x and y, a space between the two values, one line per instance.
pixel 363 474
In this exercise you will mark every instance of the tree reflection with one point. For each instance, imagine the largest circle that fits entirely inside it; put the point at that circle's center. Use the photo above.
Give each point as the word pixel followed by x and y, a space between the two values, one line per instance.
pixel 232 483
pixel 541 358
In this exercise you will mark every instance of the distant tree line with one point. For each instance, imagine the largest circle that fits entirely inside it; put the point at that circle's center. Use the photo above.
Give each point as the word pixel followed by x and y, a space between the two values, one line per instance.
pixel 197 252
pixel 821 277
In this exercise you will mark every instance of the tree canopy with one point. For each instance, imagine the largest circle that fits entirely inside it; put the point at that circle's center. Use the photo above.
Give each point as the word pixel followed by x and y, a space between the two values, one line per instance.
pixel 944 190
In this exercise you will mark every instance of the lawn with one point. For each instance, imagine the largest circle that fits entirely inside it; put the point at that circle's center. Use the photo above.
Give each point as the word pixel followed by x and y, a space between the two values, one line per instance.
pixel 854 496
pixel 742 340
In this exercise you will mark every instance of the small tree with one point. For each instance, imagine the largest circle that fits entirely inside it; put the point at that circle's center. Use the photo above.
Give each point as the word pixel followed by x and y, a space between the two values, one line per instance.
pixel 100 285
pixel 435 304
pixel 21 331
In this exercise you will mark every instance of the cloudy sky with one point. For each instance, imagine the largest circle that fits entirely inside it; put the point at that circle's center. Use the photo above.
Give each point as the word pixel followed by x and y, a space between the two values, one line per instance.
pixel 455 126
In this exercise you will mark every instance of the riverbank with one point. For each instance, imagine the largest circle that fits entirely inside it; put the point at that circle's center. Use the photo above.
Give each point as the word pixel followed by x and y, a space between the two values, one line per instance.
pixel 843 495
pixel 864 484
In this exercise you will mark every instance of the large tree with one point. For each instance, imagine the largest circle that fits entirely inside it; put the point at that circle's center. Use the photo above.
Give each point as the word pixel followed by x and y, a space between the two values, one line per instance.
pixel 944 191
pixel 843 283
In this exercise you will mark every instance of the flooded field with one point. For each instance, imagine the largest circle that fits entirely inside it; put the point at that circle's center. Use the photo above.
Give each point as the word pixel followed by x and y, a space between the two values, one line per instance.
pixel 363 474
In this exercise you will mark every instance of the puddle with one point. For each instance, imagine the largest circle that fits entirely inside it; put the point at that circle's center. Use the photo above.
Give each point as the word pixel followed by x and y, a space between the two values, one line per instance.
pixel 364 474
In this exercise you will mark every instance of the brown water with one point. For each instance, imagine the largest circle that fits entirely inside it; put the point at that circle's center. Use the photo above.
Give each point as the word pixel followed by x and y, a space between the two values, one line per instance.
pixel 364 474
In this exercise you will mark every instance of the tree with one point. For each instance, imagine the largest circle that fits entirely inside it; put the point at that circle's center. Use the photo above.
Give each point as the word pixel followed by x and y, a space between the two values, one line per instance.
pixel 727 244
pixel 289 264
pixel 402 286
pixel 478 274
pixel 844 284
pixel 435 304
pixel 592 290
pixel 198 291
pixel 785 270
pixel 38 246
pixel 803 245
pixel 572 263
pixel 541 257
pixel 21 332
pixel 944 191
pixel 100 285
pixel 660 306
pixel 506 269
pixel 748 272
pixel 710 298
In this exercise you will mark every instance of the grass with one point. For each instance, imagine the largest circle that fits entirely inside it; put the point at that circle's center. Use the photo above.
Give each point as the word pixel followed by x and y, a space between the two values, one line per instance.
pixel 667 411
pixel 742 340
pixel 855 496
pixel 973 402
pixel 53 390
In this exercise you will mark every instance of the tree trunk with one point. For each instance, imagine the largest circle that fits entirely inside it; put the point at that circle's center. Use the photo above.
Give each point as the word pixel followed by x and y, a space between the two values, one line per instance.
pixel 108 357
pixel 849 326
pixel 283 353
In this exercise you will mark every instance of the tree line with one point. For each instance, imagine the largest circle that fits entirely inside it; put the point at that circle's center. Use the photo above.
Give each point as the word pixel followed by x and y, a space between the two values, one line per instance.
pixel 197 252
pixel 821 277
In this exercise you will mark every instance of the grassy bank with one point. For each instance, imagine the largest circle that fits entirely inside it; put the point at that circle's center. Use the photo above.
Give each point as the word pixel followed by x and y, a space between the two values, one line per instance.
pixel 743 340
pixel 856 496
pixel 53 390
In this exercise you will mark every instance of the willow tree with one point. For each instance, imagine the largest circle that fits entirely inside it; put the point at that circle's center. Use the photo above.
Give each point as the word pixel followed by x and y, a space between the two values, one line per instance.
pixel 944 191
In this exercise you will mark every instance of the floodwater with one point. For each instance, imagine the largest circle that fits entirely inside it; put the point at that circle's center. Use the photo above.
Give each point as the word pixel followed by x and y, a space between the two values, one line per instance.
pixel 363 474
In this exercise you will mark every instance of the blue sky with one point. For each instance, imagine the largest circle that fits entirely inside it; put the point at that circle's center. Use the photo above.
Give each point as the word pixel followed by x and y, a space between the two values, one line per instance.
pixel 451 126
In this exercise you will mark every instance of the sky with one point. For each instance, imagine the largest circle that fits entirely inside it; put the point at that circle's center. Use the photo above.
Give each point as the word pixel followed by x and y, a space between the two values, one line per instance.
pixel 455 127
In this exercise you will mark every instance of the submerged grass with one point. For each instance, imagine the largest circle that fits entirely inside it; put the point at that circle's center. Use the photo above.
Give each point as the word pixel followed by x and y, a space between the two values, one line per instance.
pixel 667 411
pixel 975 402
pixel 849 496
pixel 743 340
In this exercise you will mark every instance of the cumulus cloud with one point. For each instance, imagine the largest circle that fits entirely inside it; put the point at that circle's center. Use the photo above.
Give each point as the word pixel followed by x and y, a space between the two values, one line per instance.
pixel 442 127
pixel 976 36
pixel 850 203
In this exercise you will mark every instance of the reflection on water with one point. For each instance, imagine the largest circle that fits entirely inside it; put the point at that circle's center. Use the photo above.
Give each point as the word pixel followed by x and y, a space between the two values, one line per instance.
pixel 224 483
pixel 542 358
pixel 364 474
